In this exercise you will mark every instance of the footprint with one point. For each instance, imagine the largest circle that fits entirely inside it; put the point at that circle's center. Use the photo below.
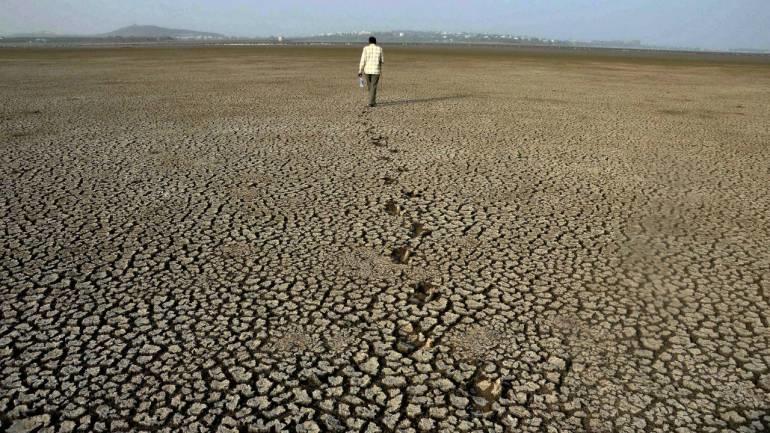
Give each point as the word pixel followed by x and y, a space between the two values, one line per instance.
pixel 389 180
pixel 486 392
pixel 393 208
pixel 419 230
pixel 425 291
pixel 402 255
pixel 410 340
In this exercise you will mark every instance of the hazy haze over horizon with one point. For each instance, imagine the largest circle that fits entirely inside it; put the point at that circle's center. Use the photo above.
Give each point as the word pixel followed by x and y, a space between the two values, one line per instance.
pixel 713 24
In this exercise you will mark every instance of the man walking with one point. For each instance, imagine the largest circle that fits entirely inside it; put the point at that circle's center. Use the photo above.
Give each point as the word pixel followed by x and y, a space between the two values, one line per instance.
pixel 371 67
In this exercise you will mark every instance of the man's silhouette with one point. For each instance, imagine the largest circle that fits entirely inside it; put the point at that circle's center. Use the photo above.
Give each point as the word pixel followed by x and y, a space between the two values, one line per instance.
pixel 371 68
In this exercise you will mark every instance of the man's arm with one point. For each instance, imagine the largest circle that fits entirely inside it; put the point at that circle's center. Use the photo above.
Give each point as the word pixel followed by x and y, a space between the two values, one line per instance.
pixel 362 63
pixel 382 56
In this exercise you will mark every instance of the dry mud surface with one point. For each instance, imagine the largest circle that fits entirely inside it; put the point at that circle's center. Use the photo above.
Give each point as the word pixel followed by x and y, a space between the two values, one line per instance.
pixel 226 239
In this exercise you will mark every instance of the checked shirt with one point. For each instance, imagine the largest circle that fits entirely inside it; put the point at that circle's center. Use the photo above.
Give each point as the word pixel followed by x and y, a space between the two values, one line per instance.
pixel 371 60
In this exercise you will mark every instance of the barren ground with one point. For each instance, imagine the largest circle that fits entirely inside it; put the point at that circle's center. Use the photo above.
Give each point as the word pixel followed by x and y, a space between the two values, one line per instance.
pixel 225 239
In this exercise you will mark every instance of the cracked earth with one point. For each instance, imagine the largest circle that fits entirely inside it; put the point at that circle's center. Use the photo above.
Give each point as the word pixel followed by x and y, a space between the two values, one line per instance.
pixel 222 239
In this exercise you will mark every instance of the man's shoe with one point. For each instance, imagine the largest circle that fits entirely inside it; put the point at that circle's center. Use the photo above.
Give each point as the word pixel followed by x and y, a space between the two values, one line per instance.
pixel 372 105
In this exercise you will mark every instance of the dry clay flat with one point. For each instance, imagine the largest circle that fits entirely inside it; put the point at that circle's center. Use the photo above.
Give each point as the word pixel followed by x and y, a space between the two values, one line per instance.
pixel 211 239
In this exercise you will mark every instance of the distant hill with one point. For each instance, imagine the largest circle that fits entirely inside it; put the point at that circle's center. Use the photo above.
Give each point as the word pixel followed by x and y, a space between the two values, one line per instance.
pixel 159 32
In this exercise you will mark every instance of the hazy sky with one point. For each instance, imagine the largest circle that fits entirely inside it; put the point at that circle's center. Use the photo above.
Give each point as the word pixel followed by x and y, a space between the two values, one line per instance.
pixel 718 24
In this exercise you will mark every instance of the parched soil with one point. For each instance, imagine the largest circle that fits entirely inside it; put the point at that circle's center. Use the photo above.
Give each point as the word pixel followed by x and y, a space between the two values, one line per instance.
pixel 227 239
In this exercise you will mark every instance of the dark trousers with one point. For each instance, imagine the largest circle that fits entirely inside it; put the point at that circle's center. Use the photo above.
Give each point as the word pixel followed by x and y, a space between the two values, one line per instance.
pixel 371 84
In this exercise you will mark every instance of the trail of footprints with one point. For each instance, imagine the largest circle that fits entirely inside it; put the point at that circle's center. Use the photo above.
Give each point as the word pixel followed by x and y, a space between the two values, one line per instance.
pixel 424 290
pixel 409 336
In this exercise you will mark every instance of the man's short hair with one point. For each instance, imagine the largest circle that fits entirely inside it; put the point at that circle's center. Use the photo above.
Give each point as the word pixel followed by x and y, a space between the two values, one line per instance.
pixel 372 40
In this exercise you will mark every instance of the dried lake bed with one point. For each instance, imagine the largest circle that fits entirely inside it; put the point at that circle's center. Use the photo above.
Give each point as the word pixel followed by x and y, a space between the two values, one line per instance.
pixel 226 239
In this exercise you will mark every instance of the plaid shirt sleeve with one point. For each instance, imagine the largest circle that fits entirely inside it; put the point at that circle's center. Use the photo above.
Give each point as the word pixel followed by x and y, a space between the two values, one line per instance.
pixel 363 62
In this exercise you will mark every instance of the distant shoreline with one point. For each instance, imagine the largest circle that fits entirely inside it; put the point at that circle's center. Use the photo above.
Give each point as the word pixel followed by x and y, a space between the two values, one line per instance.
pixel 470 46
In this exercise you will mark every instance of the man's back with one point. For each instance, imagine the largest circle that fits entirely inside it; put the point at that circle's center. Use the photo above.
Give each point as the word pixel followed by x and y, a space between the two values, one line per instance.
pixel 371 60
